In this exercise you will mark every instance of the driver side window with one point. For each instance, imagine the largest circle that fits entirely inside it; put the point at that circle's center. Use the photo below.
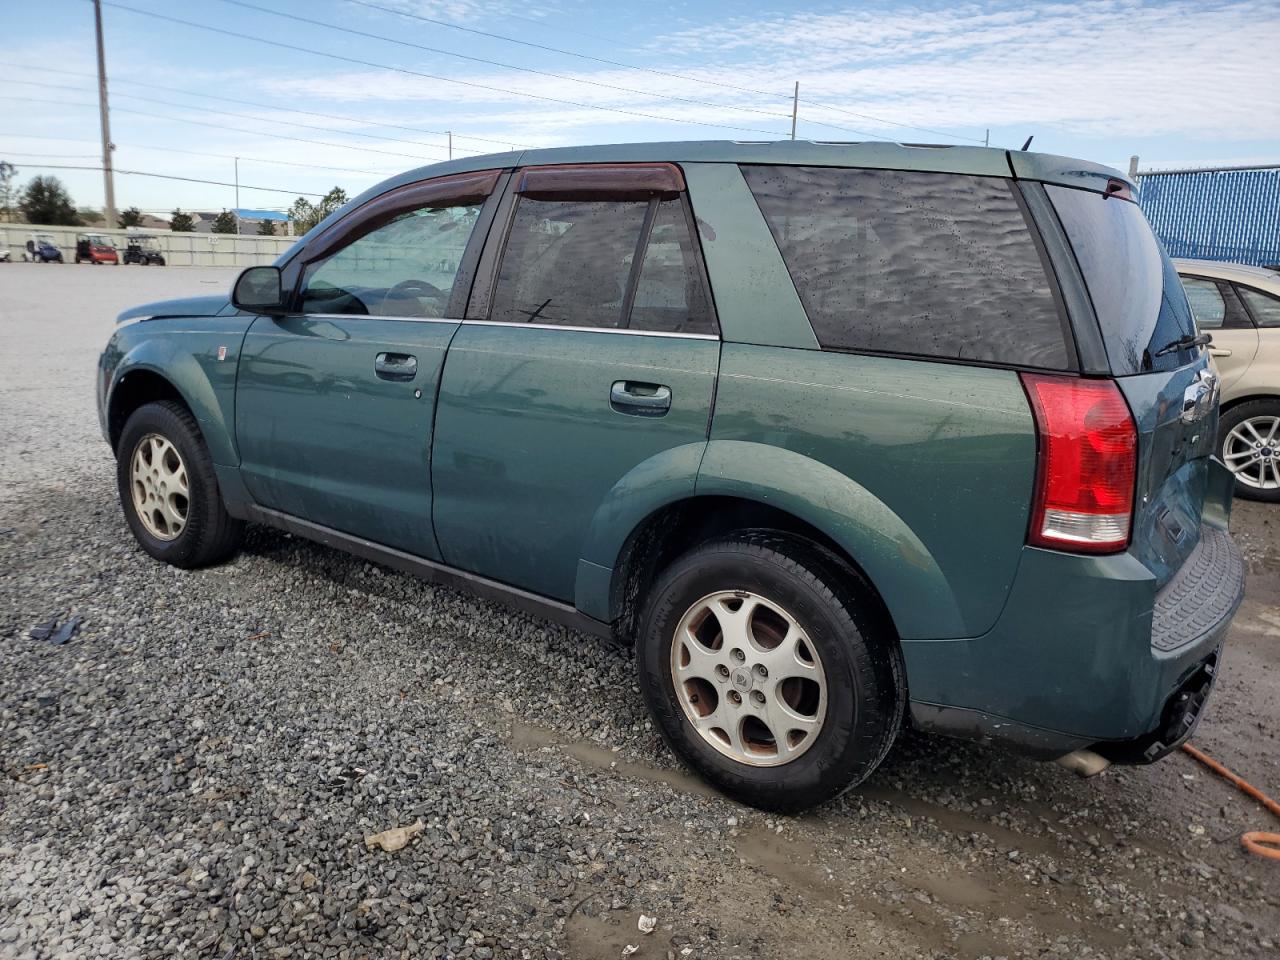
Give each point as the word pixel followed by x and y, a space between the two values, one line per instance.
pixel 405 268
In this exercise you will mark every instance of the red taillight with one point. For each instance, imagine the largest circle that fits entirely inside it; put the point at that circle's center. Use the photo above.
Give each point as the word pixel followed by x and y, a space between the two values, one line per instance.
pixel 1088 455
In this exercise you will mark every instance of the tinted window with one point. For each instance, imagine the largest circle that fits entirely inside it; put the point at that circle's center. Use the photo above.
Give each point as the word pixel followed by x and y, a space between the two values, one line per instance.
pixel 1264 307
pixel 913 263
pixel 571 262
pixel 1135 290
pixel 670 295
pixel 1207 305
pixel 405 268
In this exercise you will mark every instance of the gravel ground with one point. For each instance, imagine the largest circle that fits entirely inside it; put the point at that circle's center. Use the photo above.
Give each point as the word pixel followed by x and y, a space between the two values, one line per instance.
pixel 194 774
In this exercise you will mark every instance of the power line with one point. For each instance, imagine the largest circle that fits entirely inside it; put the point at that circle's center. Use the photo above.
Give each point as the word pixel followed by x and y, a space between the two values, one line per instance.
pixel 53 156
pixel 541 73
pixel 193 153
pixel 650 70
pixel 229 113
pixel 264 106
pixel 166 176
pixel 220 126
pixel 431 76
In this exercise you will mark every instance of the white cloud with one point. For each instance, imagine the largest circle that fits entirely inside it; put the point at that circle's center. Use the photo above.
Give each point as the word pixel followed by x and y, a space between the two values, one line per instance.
pixel 1099 68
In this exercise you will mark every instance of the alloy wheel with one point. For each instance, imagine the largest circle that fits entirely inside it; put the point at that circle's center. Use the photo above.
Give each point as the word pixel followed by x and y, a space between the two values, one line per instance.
pixel 160 490
pixel 1252 452
pixel 748 678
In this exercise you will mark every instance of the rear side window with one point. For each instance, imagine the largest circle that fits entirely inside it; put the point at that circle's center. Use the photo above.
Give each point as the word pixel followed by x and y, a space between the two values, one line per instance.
pixel 1207 305
pixel 921 264
pixel 1214 305
pixel 589 262
pixel 1264 307
pixel 1135 289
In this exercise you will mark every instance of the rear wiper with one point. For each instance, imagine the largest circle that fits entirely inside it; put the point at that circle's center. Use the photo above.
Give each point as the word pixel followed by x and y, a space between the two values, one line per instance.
pixel 1185 342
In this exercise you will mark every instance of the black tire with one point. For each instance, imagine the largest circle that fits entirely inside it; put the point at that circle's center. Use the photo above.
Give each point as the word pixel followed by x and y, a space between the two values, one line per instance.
pixel 1232 419
pixel 866 691
pixel 211 535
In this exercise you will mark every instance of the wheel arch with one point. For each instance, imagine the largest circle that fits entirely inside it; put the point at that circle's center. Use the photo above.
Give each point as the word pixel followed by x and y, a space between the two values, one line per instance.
pixel 742 485
pixel 1246 398
pixel 141 377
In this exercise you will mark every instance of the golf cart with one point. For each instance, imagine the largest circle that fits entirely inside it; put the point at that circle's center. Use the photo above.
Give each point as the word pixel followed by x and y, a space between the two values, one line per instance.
pixel 95 248
pixel 144 249
pixel 42 249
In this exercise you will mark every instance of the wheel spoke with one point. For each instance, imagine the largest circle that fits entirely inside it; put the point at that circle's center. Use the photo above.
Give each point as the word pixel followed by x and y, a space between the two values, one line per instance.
pixel 702 662
pixel 782 721
pixel 785 661
pixel 735 625
pixel 722 718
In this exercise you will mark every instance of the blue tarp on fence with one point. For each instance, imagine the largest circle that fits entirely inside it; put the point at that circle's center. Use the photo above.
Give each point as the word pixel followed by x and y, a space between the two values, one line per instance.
pixel 1215 214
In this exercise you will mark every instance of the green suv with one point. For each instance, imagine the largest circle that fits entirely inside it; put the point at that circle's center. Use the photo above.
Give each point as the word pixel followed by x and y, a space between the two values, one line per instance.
pixel 835 436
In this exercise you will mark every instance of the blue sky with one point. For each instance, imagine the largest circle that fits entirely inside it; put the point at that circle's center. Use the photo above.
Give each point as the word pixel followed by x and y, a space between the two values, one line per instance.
pixel 1174 82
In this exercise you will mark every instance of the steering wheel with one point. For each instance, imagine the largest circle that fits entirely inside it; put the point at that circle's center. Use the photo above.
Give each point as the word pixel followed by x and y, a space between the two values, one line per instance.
pixel 412 288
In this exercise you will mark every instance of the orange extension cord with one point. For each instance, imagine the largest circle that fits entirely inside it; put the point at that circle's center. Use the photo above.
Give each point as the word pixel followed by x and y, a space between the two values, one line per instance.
pixel 1256 842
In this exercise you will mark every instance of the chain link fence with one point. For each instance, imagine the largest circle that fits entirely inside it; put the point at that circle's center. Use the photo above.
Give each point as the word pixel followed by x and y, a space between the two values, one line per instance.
pixel 1214 213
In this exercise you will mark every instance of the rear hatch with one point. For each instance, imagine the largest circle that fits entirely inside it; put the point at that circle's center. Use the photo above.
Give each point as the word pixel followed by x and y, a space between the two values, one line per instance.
pixel 1147 328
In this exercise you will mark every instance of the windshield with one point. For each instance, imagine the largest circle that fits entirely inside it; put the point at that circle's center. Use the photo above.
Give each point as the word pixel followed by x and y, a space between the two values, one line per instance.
pixel 44 238
pixel 1135 289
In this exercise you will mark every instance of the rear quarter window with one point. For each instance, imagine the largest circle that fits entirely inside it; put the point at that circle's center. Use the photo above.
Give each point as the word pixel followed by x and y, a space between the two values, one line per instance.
pixel 917 264
pixel 1136 292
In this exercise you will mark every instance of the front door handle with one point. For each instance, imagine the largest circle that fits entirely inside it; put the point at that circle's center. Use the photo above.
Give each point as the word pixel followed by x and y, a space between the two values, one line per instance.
pixel 640 399
pixel 395 366
pixel 1219 352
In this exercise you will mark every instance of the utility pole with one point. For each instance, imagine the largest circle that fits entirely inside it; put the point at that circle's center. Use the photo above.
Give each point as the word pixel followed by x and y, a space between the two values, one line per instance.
pixel 107 146
pixel 237 209
pixel 986 140
pixel 795 109
pixel 450 133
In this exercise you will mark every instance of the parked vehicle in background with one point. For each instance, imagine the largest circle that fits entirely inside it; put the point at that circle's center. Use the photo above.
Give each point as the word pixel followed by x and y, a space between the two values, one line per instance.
pixel 1240 306
pixel 95 248
pixel 833 434
pixel 40 248
pixel 4 255
pixel 144 249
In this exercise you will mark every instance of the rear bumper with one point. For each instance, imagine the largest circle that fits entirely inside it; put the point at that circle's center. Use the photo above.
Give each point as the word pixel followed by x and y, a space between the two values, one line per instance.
pixel 1088 653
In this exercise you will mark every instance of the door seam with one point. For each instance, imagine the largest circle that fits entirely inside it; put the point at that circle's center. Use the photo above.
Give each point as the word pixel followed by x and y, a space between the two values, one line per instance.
pixel 431 449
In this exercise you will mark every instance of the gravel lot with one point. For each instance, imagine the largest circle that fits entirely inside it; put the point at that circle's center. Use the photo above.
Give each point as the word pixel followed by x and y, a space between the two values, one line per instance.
pixel 195 772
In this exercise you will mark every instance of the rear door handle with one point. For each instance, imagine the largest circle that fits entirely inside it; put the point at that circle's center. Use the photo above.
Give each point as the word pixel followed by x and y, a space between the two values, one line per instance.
pixel 640 399
pixel 1219 352
pixel 395 366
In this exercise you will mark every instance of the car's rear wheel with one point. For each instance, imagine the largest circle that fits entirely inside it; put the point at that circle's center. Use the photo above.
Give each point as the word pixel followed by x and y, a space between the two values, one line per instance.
pixel 169 491
pixel 1249 444
pixel 768 670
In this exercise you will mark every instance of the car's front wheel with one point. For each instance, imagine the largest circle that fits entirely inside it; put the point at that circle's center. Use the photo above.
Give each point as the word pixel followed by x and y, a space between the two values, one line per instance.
pixel 169 491
pixel 1249 444
pixel 768 670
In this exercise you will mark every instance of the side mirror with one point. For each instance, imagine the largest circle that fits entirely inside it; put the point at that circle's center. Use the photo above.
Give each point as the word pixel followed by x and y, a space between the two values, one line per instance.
pixel 257 290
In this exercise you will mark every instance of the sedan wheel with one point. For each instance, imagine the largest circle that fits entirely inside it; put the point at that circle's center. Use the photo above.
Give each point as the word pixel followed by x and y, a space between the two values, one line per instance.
pixel 1250 447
